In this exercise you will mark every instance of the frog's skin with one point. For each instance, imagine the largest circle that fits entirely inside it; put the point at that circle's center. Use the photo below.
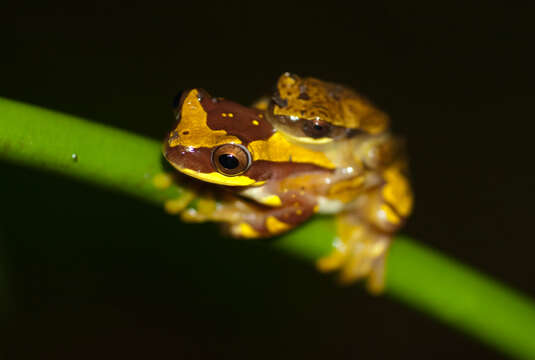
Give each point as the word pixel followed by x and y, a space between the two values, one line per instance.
pixel 276 165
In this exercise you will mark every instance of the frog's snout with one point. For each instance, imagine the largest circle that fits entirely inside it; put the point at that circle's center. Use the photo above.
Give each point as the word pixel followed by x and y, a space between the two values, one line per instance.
pixel 186 157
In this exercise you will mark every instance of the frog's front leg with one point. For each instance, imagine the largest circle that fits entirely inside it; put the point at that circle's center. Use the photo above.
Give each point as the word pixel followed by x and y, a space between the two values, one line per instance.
pixel 273 214
pixel 365 232
pixel 264 215
pixel 198 203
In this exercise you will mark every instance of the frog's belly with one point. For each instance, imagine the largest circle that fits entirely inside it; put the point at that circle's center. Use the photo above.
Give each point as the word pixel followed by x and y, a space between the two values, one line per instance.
pixel 330 206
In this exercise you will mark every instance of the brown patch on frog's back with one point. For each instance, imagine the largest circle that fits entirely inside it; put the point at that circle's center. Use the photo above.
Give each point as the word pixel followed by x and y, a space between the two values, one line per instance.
pixel 245 123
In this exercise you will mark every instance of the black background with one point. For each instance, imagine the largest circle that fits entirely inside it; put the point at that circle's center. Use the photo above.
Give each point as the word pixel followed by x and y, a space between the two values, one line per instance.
pixel 92 273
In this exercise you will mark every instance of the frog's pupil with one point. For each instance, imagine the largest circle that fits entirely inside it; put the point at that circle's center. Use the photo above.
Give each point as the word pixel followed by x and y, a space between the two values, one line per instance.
pixel 229 161
pixel 316 129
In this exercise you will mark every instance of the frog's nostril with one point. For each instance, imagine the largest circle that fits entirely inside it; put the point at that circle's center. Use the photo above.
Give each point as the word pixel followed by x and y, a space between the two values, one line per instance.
pixel 185 132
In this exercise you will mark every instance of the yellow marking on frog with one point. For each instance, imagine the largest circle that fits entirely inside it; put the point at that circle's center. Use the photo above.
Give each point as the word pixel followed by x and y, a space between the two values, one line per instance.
pixel 261 116
pixel 390 215
pixel 206 206
pixel 224 114
pixel 255 122
pixel 298 212
pixel 276 226
pixel 316 208
pixel 309 140
pixel 278 149
pixel 217 178
pixel 162 181
pixel 397 191
pixel 271 200
pixel 175 206
pixel 193 127
pixel 346 190
pixel 230 115
pixel 247 231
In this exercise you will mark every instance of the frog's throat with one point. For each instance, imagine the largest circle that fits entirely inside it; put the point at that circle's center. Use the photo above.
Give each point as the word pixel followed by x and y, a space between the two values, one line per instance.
pixel 217 178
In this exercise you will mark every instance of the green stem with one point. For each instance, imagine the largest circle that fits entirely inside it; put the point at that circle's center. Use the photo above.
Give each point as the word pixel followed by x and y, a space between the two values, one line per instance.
pixel 74 147
pixel 422 278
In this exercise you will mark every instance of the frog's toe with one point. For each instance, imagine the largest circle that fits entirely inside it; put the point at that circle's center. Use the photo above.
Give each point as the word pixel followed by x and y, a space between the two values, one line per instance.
pixel 162 180
pixel 177 205
pixel 243 230
pixel 376 280
pixel 192 215
pixel 359 254
pixel 331 262
pixel 361 267
pixel 356 268
pixel 203 210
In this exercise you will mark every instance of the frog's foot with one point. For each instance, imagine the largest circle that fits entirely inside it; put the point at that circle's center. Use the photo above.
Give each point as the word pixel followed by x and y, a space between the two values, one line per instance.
pixel 342 244
pixel 367 260
pixel 359 253
pixel 207 208
pixel 177 205
pixel 365 235
pixel 203 210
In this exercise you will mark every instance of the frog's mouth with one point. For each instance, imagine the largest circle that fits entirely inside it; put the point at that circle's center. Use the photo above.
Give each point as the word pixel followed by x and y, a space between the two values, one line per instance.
pixel 219 179
pixel 196 162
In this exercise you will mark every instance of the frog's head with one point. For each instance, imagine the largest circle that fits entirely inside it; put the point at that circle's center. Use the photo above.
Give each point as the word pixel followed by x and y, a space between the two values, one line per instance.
pixel 317 112
pixel 222 142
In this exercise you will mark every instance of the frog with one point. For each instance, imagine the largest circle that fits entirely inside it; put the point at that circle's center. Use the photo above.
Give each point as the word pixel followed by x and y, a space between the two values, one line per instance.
pixel 313 147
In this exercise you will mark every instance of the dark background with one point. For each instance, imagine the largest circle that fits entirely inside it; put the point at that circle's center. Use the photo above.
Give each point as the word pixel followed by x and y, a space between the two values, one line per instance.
pixel 92 273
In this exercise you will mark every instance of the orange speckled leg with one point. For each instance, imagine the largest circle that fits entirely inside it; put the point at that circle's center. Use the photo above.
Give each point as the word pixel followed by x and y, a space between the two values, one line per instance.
pixel 364 235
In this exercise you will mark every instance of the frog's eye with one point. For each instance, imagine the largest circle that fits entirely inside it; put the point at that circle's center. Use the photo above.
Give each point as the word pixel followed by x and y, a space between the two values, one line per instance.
pixel 316 128
pixel 231 159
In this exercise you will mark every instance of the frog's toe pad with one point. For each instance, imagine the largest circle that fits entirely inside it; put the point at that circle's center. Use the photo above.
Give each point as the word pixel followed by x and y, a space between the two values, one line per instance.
pixel 371 269
pixel 162 181
pixel 331 262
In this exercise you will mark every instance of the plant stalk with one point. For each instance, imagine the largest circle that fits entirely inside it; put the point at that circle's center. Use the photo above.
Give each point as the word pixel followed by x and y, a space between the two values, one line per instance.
pixel 416 275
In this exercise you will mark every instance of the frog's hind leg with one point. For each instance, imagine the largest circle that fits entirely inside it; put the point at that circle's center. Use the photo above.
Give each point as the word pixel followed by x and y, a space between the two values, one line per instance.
pixel 365 233
pixel 359 252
